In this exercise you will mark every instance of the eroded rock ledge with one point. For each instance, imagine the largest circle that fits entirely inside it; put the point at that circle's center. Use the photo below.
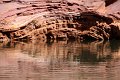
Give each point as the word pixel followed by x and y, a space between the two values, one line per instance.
pixel 62 20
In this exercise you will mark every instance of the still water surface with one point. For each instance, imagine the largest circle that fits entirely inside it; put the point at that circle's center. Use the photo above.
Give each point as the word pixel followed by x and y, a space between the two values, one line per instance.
pixel 62 60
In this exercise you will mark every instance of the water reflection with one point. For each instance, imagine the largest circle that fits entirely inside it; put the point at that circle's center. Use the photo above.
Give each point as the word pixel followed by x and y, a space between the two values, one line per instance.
pixel 60 60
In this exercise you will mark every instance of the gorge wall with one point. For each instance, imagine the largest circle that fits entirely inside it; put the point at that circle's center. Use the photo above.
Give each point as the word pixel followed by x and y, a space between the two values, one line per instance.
pixel 59 20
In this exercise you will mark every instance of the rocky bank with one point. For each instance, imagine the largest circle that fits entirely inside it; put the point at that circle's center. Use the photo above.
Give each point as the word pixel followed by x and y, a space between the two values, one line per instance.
pixel 59 20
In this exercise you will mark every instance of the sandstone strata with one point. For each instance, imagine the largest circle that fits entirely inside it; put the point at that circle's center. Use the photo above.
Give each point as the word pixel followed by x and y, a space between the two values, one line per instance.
pixel 58 19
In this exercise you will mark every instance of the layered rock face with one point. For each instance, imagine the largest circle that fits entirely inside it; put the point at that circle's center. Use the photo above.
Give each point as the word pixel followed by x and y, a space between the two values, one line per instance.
pixel 57 19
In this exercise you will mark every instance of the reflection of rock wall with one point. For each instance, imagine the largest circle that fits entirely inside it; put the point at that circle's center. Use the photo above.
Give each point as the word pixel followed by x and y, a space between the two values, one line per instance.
pixel 71 51
pixel 66 60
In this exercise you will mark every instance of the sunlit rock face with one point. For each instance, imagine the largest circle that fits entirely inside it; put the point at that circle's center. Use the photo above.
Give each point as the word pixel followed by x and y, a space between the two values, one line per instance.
pixel 55 19
pixel 92 5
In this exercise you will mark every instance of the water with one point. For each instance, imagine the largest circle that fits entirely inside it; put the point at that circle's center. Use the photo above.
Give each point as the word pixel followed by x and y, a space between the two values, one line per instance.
pixel 60 60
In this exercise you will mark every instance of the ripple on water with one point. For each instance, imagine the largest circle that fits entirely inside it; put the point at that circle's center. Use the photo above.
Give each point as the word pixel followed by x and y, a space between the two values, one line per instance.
pixel 62 60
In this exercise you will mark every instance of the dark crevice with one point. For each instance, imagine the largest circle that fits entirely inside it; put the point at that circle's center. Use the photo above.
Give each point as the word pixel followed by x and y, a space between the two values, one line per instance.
pixel 108 2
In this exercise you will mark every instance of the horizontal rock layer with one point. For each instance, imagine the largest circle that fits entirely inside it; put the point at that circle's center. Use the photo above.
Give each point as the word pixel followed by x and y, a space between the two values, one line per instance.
pixel 58 19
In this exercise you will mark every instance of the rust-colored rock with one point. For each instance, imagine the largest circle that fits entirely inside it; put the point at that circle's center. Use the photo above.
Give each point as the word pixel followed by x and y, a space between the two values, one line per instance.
pixel 61 19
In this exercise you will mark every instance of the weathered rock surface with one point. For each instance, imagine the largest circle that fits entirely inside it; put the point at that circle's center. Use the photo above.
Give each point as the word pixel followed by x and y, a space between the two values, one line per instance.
pixel 58 19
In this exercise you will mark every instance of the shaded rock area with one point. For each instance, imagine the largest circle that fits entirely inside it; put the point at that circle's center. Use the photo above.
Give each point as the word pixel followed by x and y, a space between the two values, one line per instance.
pixel 59 20
pixel 108 2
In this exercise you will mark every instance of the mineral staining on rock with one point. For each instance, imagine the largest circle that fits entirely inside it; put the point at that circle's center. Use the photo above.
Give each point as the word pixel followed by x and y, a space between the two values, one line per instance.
pixel 57 19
